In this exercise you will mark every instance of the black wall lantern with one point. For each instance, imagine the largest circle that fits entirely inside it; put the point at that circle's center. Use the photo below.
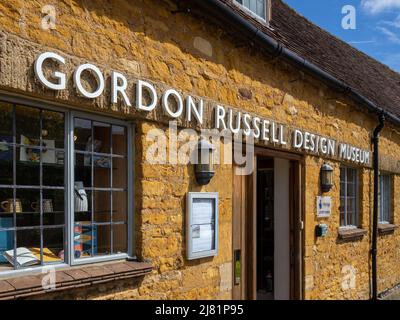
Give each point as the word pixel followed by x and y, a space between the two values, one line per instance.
pixel 204 169
pixel 326 177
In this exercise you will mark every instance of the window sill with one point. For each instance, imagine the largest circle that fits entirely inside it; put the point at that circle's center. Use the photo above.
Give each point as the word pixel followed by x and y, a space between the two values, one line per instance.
pixel 386 228
pixel 73 277
pixel 351 234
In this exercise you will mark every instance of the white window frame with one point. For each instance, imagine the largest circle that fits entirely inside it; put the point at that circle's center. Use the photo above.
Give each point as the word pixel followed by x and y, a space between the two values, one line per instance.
pixel 346 224
pixel 254 14
pixel 385 218
pixel 69 115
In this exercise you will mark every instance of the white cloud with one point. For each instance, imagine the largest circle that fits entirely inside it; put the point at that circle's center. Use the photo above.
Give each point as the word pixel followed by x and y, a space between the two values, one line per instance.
pixel 395 23
pixel 391 36
pixel 377 6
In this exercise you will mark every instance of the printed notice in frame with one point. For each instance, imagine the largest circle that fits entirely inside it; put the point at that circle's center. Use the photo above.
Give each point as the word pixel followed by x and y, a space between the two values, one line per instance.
pixel 203 238
pixel 203 211
pixel 202 224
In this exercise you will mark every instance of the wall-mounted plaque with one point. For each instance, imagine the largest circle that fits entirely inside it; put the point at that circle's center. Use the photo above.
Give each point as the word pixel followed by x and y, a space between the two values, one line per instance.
pixel 324 207
pixel 202 224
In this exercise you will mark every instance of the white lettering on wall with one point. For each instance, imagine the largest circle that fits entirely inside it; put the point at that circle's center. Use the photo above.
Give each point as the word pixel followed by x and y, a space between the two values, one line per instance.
pixel 60 85
pixel 252 126
pixel 139 95
pixel 119 85
pixel 192 109
pixel 220 117
pixel 178 99
pixel 78 80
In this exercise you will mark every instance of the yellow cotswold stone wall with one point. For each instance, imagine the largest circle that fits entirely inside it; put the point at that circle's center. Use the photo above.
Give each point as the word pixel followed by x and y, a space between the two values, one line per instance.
pixel 144 39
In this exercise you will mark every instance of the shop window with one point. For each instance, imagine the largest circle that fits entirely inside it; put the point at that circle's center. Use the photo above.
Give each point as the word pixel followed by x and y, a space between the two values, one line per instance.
pixel 258 8
pixel 100 183
pixel 385 196
pixel 37 214
pixel 348 197
pixel 32 186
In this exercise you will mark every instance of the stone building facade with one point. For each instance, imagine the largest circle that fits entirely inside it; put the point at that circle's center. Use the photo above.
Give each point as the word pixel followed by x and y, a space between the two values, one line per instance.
pixel 171 48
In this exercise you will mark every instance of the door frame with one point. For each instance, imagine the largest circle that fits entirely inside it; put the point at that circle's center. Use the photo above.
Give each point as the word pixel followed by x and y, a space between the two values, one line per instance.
pixel 244 219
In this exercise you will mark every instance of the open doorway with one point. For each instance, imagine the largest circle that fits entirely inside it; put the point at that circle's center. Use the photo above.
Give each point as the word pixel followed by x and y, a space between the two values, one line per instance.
pixel 273 229
pixel 267 229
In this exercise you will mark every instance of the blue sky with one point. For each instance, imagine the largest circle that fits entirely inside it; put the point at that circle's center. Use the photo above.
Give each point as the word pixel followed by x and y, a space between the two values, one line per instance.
pixel 377 30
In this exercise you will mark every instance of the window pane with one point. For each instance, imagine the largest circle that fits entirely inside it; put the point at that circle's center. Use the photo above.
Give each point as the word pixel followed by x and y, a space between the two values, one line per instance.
pixel 102 206
pixel 82 134
pixel 351 190
pixel 28 166
pixel 351 176
pixel 120 209
pixel 119 140
pixel 53 245
pixel 350 205
pixel 6 243
pixel 28 202
pixel 84 236
pixel 261 8
pixel 7 208
pixel 120 236
pixel 6 164
pixel 342 174
pixel 102 135
pixel 102 172
pixel 53 207
pixel 28 242
pixel 53 174
pixel 28 125
pixel 83 170
pixel 120 177
pixel 6 122
pixel 82 204
pixel 103 243
pixel 53 128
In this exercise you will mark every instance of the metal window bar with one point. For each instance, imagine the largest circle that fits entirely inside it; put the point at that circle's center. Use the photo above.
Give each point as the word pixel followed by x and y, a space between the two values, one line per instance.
pixel 92 185
pixel 384 198
pixel 14 185
pixel 40 184
pixel 344 173
pixel 111 193
pixel 380 202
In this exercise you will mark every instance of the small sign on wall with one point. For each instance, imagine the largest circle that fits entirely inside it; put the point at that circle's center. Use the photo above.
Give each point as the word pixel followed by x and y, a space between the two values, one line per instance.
pixel 324 207
pixel 202 224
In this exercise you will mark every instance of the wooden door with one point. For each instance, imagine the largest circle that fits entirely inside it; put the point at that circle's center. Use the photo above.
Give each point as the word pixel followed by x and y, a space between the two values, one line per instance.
pixel 244 235
pixel 238 232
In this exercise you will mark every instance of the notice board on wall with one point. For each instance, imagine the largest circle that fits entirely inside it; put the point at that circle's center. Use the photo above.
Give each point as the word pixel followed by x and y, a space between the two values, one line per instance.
pixel 202 224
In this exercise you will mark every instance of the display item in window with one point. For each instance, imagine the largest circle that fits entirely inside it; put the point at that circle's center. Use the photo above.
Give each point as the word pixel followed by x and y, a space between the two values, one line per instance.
pixel 80 198
pixel 7 206
pixel 47 206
